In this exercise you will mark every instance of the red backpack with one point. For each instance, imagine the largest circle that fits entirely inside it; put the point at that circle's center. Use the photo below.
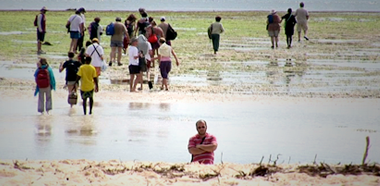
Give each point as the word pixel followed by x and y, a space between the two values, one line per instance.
pixel 43 79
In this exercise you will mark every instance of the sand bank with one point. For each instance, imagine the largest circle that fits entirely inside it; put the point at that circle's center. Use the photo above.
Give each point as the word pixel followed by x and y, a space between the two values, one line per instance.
pixel 115 172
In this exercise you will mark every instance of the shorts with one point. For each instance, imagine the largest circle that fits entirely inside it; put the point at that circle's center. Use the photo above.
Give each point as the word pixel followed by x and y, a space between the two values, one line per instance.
pixel 70 83
pixel 116 44
pixel 40 36
pixel 155 45
pixel 87 94
pixel 302 26
pixel 165 67
pixel 133 69
pixel 75 35
pixel 273 33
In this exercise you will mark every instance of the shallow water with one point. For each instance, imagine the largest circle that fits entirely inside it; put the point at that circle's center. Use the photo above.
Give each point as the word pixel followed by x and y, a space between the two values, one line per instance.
pixel 311 76
pixel 335 129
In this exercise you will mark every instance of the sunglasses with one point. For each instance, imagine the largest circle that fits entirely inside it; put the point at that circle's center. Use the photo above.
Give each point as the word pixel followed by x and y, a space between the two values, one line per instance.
pixel 201 127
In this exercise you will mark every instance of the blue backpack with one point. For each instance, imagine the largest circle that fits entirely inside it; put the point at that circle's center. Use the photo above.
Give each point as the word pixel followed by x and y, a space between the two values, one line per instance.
pixel 110 29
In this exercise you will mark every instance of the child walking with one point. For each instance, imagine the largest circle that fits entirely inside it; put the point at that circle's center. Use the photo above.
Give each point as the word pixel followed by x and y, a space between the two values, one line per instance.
pixel 87 75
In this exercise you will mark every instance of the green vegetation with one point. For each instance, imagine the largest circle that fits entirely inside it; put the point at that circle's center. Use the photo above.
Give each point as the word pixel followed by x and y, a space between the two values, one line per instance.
pixel 192 41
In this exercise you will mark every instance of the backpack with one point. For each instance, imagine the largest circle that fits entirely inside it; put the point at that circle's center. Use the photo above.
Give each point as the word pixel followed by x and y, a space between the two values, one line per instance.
pixel 35 20
pixel 209 31
pixel 43 79
pixel 270 18
pixel 110 29
pixel 71 67
pixel 171 34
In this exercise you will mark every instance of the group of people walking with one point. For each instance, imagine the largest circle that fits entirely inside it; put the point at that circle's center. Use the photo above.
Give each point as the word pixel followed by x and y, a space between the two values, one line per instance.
pixel 148 41
pixel 300 18
pixel 152 44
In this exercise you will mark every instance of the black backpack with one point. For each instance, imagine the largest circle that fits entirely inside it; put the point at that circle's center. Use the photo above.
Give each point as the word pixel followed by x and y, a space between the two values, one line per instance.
pixel 71 67
pixel 171 34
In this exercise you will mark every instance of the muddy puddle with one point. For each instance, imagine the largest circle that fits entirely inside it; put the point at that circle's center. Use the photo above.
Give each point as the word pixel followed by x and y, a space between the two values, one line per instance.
pixel 333 129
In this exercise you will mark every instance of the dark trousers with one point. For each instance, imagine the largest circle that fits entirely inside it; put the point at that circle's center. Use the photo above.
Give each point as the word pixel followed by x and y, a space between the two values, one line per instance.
pixel 80 42
pixel 289 40
pixel 215 41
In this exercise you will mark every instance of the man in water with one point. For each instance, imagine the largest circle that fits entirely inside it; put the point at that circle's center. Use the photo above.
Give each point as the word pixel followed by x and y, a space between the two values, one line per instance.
pixel 302 16
pixel 202 145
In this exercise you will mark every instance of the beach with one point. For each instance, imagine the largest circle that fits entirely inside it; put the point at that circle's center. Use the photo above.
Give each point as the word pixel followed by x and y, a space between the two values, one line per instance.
pixel 115 172
pixel 316 112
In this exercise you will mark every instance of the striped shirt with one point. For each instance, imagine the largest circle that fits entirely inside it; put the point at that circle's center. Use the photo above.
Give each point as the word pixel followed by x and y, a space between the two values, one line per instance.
pixel 206 157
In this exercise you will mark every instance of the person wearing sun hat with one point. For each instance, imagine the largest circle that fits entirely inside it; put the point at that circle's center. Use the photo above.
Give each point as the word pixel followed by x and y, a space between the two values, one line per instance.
pixel 273 27
pixel 96 52
pixel 40 22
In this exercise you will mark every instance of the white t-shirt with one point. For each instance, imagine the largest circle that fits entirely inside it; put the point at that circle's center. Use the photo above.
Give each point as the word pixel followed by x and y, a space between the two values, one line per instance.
pixel 133 51
pixel 84 19
pixel 96 60
pixel 75 22
pixel 147 55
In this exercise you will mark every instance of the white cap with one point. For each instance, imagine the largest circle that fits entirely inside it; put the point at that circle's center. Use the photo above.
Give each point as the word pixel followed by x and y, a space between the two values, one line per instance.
pixel 163 18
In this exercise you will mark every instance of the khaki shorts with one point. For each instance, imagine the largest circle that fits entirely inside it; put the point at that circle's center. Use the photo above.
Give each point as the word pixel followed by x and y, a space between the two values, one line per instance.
pixel 273 33
pixel 70 83
pixel 302 26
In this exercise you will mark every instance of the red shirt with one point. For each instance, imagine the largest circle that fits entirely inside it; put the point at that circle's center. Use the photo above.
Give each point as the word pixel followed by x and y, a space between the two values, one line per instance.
pixel 206 157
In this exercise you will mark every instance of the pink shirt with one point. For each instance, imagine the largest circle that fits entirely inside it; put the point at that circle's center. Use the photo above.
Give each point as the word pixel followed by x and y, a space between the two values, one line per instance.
pixel 207 157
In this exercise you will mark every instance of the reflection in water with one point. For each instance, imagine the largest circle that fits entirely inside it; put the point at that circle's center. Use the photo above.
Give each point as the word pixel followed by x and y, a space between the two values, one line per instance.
pixel 81 130
pixel 165 106
pixel 43 129
pixel 277 74
pixel 272 71
pixel 138 105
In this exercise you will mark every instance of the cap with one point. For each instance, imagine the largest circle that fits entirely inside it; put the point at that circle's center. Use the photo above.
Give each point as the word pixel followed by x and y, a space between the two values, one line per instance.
pixel 273 11
pixel 141 10
pixel 44 9
pixel 81 9
pixel 95 40
pixel 163 18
